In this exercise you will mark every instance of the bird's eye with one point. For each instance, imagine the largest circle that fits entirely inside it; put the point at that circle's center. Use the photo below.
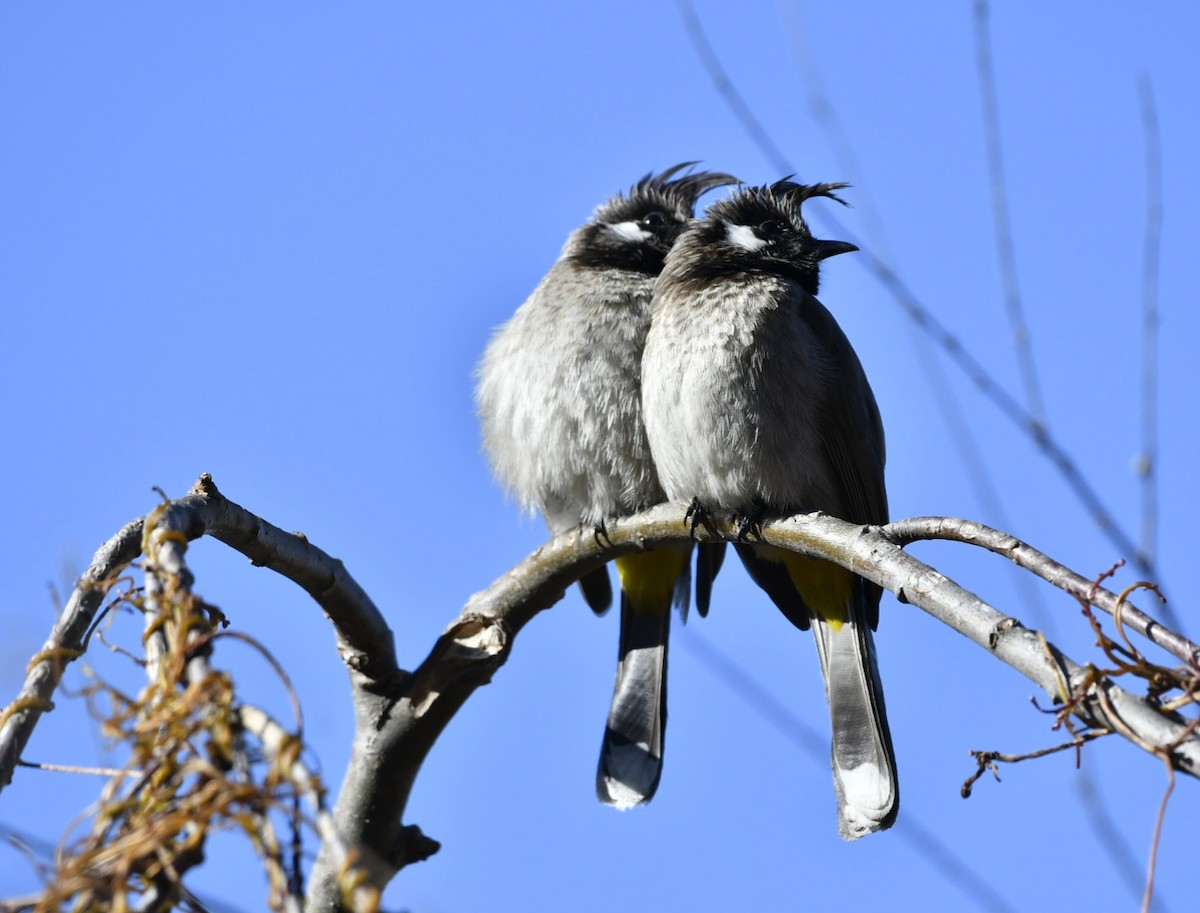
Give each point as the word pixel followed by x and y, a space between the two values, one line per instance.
pixel 654 221
pixel 770 228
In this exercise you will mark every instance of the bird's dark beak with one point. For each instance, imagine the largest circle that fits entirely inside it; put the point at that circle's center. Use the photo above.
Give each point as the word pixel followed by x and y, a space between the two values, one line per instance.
pixel 822 250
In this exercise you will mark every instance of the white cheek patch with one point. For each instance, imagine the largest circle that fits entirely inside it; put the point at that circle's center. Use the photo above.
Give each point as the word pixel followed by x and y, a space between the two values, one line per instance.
pixel 629 231
pixel 744 237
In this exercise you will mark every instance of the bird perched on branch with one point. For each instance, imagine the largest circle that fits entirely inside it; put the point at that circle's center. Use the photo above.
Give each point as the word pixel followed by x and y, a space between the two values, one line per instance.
pixel 560 405
pixel 756 404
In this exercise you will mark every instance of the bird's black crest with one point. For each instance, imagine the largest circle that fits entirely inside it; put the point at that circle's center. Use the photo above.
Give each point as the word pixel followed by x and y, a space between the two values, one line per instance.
pixel 748 205
pixel 672 197
pixel 658 191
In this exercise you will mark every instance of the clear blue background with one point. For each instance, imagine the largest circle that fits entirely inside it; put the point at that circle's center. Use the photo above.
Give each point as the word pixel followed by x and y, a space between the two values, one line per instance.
pixel 269 241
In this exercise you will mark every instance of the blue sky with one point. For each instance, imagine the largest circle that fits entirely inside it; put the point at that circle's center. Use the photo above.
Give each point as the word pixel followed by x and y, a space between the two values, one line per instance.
pixel 270 243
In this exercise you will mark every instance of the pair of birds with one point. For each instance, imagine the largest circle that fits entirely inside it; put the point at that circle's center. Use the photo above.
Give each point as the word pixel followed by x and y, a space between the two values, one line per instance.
pixel 665 357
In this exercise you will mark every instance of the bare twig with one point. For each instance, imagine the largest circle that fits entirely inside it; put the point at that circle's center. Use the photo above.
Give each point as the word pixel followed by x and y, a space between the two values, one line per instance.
pixel 986 760
pixel 1148 897
pixel 1111 835
pixel 916 529
pixel 1147 461
pixel 1005 249
pixel 150 828
pixel 76 769
pixel 18 719
pixel 364 639
pixel 728 91
pixel 824 111
pixel 278 742
pixel 178 647
pixel 1151 866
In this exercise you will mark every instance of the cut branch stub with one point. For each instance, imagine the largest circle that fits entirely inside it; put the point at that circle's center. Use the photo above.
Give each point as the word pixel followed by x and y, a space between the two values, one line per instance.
pixel 465 657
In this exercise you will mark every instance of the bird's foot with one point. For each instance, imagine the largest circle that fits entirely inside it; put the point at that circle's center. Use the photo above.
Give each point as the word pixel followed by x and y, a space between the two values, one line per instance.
pixel 749 524
pixel 600 535
pixel 697 514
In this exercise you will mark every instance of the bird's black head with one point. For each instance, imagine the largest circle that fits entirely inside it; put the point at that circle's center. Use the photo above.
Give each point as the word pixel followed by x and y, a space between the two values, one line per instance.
pixel 635 230
pixel 761 229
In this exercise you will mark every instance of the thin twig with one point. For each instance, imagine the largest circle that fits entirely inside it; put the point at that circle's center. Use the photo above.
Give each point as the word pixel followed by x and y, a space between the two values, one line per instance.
pixel 365 641
pixel 1005 248
pixel 76 769
pixel 1126 862
pixel 1147 462
pixel 728 91
pixel 824 111
pixel 916 529
pixel 65 643
pixel 986 760
pixel 1151 866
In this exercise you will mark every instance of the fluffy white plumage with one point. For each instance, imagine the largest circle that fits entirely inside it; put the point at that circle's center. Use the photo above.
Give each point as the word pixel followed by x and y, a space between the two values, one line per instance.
pixel 561 417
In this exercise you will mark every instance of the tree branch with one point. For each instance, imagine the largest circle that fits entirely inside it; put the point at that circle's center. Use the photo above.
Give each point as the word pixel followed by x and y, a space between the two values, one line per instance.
pixel 65 644
pixel 364 640
pixel 478 643
pixel 904 532
pixel 400 715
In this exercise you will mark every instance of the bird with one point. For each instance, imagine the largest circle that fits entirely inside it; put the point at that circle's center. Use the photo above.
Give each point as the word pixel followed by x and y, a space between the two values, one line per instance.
pixel 756 404
pixel 559 402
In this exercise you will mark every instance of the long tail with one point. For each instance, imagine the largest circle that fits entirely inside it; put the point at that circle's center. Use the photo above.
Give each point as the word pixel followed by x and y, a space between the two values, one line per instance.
pixel 632 751
pixel 834 603
pixel 864 763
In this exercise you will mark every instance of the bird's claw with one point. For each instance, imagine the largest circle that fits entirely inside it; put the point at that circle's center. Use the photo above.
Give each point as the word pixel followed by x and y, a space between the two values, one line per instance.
pixel 748 525
pixel 600 535
pixel 697 515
